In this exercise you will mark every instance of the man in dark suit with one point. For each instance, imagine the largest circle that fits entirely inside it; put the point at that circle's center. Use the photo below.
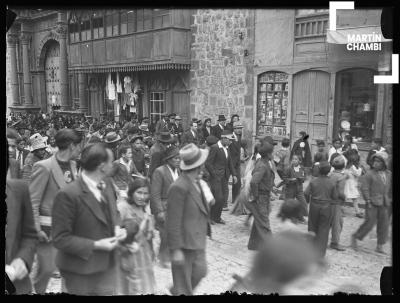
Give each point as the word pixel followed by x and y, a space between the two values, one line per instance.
pixel 220 166
pixel 47 178
pixel 188 223
pixel 162 179
pixel 21 235
pixel 191 136
pixel 217 130
pixel 85 226
pixel 234 149
pixel 162 124
pixel 178 128
pixel 21 152
pixel 164 140
pixel 14 170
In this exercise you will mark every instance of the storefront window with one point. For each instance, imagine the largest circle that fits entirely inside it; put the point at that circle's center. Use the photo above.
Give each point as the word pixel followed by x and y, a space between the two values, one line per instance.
pixel 272 103
pixel 356 102
pixel 157 105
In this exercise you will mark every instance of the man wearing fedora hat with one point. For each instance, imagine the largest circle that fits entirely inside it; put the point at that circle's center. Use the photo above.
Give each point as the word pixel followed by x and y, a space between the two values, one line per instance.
pixel 162 179
pixel 112 140
pixel 234 149
pixel 38 153
pixel 188 222
pixel 217 130
pixel 220 166
pixel 164 140
pixel 178 128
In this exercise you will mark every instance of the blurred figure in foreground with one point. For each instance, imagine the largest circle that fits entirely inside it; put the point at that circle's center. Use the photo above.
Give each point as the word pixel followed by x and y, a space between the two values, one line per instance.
pixel 285 259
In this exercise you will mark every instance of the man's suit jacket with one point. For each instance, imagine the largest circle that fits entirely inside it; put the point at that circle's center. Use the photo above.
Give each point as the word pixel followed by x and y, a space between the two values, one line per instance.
pixel 160 183
pixel 46 180
pixel 156 157
pixel 188 138
pixel 373 188
pixel 79 221
pixel 15 171
pixel 234 150
pixel 161 126
pixel 120 173
pixel 188 214
pixel 25 153
pixel 21 234
pixel 218 165
pixel 206 133
pixel 217 131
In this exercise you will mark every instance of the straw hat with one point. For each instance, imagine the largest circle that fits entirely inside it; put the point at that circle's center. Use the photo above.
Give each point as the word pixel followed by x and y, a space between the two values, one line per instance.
pixel 192 156
pixel 37 142
pixel 227 134
pixel 112 137
pixel 238 124
pixel 165 137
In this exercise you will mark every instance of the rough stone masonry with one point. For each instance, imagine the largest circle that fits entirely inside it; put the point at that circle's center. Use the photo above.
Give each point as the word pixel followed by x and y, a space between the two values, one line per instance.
pixel 222 65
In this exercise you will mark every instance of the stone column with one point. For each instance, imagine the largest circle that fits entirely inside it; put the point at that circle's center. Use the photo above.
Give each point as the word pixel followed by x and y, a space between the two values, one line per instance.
pixel 62 33
pixel 83 102
pixel 25 66
pixel 12 48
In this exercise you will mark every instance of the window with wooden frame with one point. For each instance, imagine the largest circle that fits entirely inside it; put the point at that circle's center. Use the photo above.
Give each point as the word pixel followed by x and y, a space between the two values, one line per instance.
pixel 157 105
pixel 112 23
pixel 86 31
pixel 131 19
pixel 144 19
pixel 98 24
pixel 161 18
pixel 73 29
pixel 272 103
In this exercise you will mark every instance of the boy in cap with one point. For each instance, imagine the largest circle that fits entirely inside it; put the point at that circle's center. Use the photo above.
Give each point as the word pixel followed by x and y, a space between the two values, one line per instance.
pixel 376 189
pixel 376 146
pixel 321 192
pixel 339 177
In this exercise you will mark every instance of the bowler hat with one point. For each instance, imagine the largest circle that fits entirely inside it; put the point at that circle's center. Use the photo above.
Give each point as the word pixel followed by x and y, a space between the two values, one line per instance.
pixel 192 156
pixel 177 117
pixel 221 118
pixel 227 134
pixel 171 152
pixel 165 137
pixel 112 137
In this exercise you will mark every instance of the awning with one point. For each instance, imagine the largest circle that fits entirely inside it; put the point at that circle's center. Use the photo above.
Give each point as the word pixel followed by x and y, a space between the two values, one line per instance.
pixel 340 36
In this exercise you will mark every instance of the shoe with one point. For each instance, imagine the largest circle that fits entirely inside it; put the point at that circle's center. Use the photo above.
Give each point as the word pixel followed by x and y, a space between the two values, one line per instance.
pixel 380 250
pixel 337 247
pixel 220 221
pixel 354 243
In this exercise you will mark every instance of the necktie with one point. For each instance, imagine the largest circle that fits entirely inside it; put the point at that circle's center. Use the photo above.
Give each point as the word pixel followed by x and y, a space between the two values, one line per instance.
pixel 104 205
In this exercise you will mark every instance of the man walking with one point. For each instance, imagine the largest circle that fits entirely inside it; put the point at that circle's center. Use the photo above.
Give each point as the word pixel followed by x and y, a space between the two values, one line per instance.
pixel 188 223
pixel 234 149
pixel 220 166
pixel 48 177
pixel 162 179
pixel 164 140
pixel 86 226
pixel 191 136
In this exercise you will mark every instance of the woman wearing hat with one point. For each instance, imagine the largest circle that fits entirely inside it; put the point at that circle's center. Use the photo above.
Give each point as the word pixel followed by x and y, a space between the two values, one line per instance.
pixel 38 153
pixel 376 189
pixel 162 179
pixel 188 222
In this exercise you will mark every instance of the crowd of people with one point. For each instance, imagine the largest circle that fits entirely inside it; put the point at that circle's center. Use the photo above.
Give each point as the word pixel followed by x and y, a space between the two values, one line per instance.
pixel 87 198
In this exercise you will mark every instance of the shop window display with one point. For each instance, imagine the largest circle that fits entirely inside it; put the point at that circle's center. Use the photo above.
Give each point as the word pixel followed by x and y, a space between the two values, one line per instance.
pixel 272 103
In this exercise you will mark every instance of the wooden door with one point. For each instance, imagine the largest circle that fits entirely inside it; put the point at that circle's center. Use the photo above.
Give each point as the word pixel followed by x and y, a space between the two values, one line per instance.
pixel 181 107
pixel 94 102
pixel 52 76
pixel 310 106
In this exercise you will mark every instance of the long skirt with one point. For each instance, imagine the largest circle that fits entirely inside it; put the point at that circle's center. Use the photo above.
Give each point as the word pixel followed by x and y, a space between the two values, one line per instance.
pixel 239 207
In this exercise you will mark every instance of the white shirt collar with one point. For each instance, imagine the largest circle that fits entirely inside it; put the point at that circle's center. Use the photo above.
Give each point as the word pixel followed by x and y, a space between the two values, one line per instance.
pixel 221 126
pixel 92 185
pixel 174 173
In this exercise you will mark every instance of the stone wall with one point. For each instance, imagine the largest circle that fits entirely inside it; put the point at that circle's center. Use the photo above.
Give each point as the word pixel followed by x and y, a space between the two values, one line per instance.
pixel 222 61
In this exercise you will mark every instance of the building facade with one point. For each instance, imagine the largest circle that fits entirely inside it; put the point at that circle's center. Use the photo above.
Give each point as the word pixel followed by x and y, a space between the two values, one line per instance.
pixel 305 81
pixel 106 63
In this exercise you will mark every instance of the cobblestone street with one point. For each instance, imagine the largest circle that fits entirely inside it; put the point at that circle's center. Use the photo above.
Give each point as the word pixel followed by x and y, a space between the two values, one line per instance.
pixel 227 254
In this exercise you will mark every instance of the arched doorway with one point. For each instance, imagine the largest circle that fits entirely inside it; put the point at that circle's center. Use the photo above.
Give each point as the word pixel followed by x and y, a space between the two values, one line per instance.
pixel 52 73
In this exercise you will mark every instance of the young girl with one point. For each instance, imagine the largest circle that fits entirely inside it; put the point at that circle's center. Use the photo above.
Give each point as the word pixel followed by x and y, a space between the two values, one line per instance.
pixel 294 178
pixel 353 172
pixel 136 253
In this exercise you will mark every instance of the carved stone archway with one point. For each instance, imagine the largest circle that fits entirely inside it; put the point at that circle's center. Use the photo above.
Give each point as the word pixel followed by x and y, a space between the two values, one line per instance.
pixel 40 59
